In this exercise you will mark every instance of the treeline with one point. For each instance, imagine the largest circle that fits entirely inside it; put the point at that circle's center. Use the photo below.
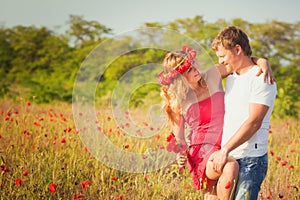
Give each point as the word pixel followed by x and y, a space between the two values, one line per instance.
pixel 36 62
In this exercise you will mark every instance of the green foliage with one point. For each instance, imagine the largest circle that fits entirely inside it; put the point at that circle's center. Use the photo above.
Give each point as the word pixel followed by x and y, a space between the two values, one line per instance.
pixel 38 62
pixel 288 94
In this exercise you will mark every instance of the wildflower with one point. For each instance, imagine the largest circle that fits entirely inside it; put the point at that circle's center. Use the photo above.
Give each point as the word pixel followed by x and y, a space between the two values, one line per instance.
pixel 52 187
pixel 120 197
pixel 28 103
pixel 18 181
pixel 228 185
pixel 181 169
pixel 67 130
pixel 292 150
pixel 126 146
pixel 172 146
pixel 63 140
pixel 157 136
pixel 170 137
pixel 146 177
pixel 114 178
pixel 291 167
pixel 77 196
pixel 36 124
pixel 272 153
pixel 25 173
pixel 85 184
pixel 284 162
pixel 3 168
pixel 278 158
pixel 40 118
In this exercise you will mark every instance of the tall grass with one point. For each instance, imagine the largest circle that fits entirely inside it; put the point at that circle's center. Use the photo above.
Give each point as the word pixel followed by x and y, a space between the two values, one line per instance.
pixel 43 157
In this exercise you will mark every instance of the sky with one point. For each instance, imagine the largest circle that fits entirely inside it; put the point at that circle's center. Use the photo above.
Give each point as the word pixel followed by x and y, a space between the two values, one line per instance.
pixel 127 15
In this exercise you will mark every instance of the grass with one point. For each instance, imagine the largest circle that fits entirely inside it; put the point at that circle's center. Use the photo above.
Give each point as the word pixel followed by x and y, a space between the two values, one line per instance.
pixel 42 156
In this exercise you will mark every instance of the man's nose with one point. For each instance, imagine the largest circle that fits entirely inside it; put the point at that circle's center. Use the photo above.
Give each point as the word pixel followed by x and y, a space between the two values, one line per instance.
pixel 221 61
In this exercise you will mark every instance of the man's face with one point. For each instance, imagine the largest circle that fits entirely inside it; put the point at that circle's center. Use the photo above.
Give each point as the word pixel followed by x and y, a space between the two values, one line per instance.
pixel 227 58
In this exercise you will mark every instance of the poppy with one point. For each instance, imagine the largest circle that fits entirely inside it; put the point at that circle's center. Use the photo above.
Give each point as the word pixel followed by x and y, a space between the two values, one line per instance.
pixel 228 185
pixel 85 184
pixel 18 181
pixel 25 173
pixel 52 187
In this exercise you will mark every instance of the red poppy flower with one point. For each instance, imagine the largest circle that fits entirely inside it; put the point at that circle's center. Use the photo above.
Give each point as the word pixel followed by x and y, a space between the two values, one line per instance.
pixel 170 137
pixel 228 185
pixel 157 137
pixel 292 150
pixel 77 196
pixel 85 184
pixel 4 168
pixel 291 167
pixel 114 178
pixel 28 103
pixel 284 162
pixel 25 173
pixel 278 158
pixel 63 140
pixel 18 181
pixel 126 146
pixel 52 187
pixel 67 130
pixel 36 124
pixel 181 169
pixel 146 177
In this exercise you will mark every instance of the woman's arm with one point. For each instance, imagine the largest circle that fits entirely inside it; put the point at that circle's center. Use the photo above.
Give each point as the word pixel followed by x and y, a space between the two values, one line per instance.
pixel 265 69
pixel 178 129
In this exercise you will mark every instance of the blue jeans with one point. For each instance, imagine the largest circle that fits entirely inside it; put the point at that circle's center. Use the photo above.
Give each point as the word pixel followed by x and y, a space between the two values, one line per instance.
pixel 252 172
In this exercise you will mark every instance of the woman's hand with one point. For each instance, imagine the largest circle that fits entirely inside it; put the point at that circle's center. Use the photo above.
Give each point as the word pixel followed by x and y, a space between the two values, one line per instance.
pixel 181 159
pixel 264 67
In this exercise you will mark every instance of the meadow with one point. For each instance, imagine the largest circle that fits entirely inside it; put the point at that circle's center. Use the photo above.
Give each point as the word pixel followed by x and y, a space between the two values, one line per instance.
pixel 43 157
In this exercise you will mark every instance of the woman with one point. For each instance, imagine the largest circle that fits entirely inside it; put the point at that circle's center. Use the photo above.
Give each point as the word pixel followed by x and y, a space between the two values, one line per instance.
pixel 197 99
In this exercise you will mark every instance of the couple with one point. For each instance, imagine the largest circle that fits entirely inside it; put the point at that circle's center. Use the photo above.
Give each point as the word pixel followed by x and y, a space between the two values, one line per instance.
pixel 227 144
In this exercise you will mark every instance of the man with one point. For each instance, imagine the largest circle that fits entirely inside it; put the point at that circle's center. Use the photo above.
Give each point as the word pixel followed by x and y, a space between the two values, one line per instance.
pixel 249 103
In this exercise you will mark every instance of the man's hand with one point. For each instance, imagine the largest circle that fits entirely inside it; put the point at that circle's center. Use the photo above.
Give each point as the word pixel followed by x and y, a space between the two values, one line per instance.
pixel 219 159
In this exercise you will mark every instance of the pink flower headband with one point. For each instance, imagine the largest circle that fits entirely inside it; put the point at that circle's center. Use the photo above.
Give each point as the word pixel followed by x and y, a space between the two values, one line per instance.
pixel 167 79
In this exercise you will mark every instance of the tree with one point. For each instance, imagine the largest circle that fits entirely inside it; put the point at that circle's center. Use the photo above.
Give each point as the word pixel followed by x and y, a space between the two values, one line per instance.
pixel 83 32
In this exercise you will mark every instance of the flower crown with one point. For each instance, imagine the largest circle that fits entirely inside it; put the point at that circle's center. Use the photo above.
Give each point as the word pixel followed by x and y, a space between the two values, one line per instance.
pixel 181 67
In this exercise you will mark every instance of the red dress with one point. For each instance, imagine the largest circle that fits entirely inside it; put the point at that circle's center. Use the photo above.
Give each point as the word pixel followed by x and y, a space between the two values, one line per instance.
pixel 206 121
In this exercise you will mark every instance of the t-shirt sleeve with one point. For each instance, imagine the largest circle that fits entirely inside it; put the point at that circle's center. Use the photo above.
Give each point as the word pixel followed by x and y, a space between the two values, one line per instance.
pixel 262 92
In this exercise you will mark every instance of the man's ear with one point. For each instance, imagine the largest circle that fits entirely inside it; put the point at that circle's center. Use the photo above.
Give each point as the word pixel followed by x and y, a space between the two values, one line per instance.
pixel 238 49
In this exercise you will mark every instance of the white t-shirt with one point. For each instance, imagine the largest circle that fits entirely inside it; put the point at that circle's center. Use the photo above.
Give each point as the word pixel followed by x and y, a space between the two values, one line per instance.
pixel 241 90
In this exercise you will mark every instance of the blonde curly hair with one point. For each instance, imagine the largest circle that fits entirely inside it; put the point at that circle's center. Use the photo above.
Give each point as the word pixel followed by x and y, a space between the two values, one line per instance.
pixel 175 93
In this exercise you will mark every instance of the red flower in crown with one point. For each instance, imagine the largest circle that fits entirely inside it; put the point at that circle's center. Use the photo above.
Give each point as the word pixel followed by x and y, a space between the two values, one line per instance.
pixel 166 79
pixel 191 55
